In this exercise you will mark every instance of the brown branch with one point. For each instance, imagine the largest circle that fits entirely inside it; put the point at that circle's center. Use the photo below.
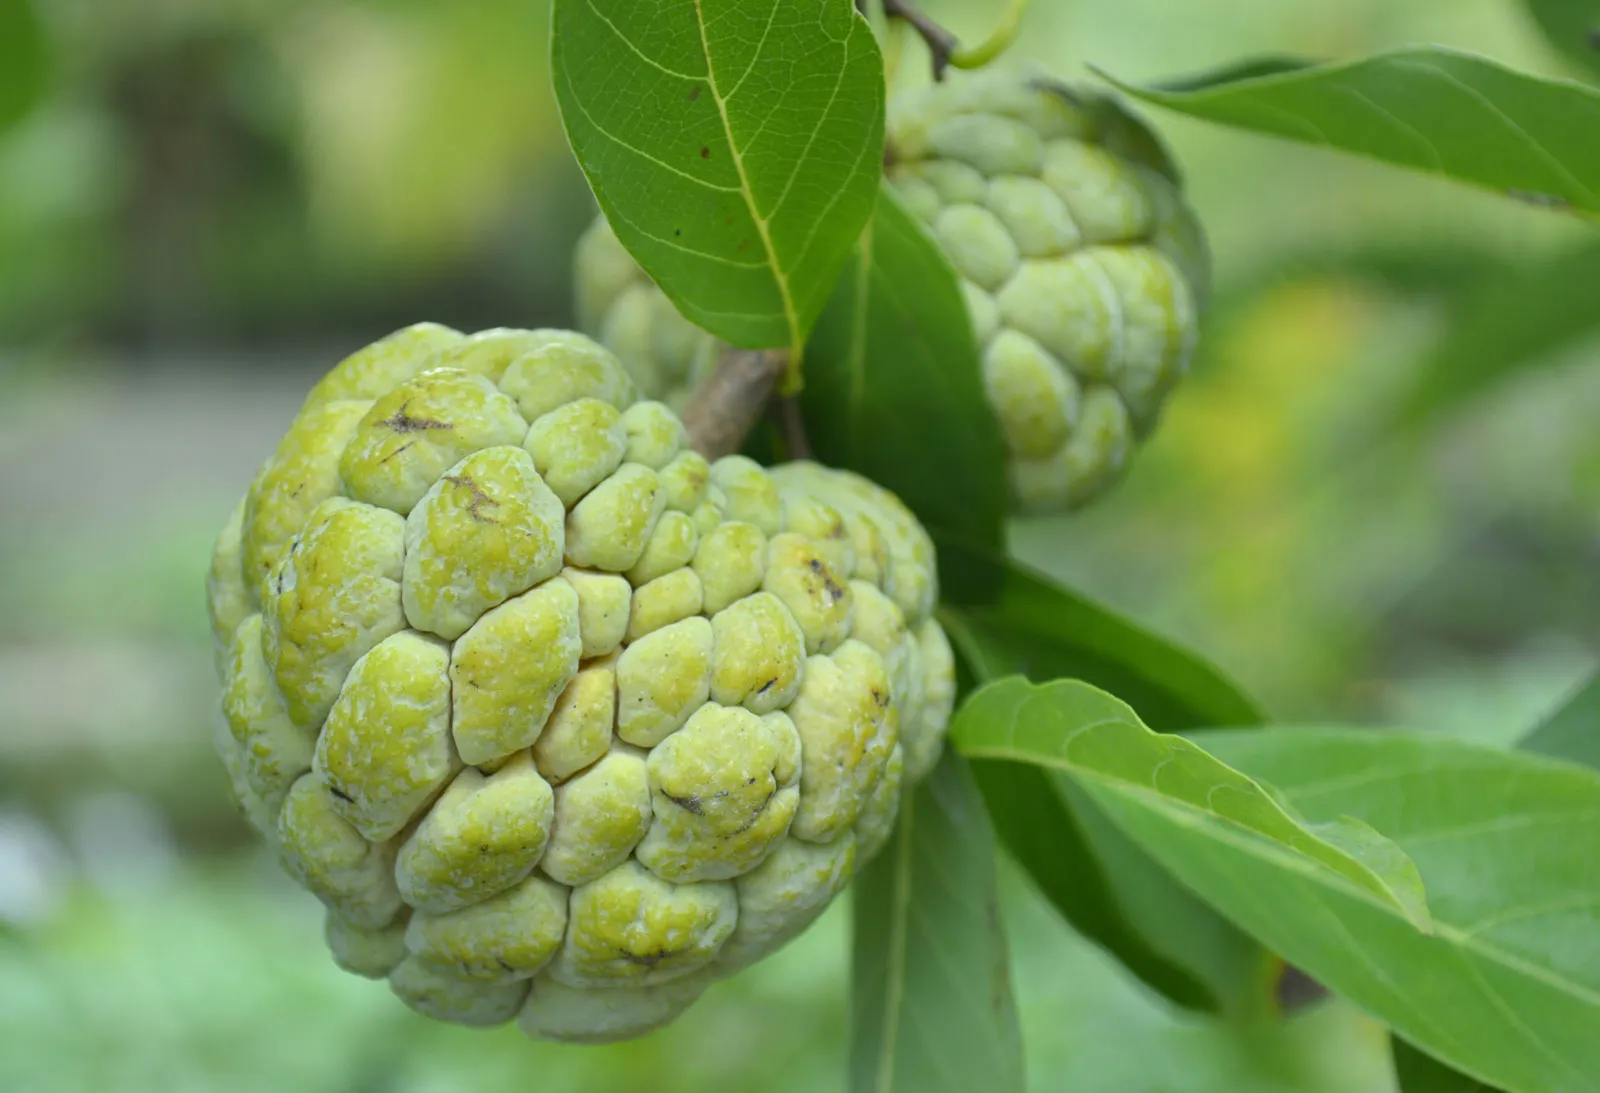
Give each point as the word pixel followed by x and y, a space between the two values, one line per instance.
pixel 791 428
pixel 941 43
pixel 727 406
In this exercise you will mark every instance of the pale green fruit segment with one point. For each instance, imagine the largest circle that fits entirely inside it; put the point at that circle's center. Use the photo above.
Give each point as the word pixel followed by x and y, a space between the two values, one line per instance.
pixel 630 927
pixel 555 1011
pixel 576 446
pixel 604 602
pixel 664 601
pixel 1081 265
pixel 434 992
pixel 731 561
pixel 685 481
pixel 412 435
pixel 661 680
pixel 303 473
pixel 815 593
pixel 600 817
pixel 325 853
pixel 378 368
pixel 385 749
pixel 578 731
pixel 749 492
pixel 785 893
pixel 273 750
pixel 925 739
pixel 847 729
pixel 542 713
pixel 881 810
pixel 508 671
pixel 655 435
pixel 481 837
pixel 564 367
pixel 510 935
pixel 333 597
pixel 671 547
pixel 757 653
pixel 369 953
pixel 610 528
pixel 486 531
pixel 723 790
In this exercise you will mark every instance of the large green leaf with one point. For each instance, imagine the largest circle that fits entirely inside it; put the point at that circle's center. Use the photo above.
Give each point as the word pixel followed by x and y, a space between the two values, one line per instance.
pixel 1431 109
pixel 1505 987
pixel 1573 27
pixel 932 1009
pixel 893 388
pixel 1009 619
pixel 23 60
pixel 1511 319
pixel 1096 878
pixel 1419 1072
pixel 1573 731
pixel 735 146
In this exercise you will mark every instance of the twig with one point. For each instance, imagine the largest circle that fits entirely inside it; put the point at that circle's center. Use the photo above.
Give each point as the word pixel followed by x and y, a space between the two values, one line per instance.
pixel 945 49
pixel 728 404
pixel 941 43
pixel 792 428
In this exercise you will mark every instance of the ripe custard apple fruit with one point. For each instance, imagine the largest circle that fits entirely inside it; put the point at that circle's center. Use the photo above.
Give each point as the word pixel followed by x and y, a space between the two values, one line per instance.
pixel 561 722
pixel 1082 267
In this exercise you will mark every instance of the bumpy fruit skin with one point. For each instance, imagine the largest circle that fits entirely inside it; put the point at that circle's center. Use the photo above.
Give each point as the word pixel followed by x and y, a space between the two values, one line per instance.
pixel 561 722
pixel 1082 267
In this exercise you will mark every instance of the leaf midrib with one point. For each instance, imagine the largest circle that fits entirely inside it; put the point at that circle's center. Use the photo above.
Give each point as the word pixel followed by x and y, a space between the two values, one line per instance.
pixel 763 229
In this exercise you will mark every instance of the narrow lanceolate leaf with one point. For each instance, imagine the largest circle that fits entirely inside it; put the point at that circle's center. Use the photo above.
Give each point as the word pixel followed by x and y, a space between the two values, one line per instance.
pixel 931 1004
pixel 1514 319
pixel 1435 110
pixel 1572 731
pixel 1573 27
pixel 893 388
pixel 1505 987
pixel 1012 620
pixel 1418 1072
pixel 1101 882
pixel 735 146
pixel 1152 782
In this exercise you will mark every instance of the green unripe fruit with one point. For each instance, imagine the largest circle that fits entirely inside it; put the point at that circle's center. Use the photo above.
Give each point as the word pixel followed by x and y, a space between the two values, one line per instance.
pixel 1082 268
pixel 556 718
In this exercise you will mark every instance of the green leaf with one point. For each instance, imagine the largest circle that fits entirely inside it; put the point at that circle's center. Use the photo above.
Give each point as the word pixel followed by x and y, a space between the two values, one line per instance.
pixel 24 62
pixel 1008 619
pixel 1434 110
pixel 1572 731
pixel 1506 986
pixel 735 146
pixel 932 1009
pixel 1099 881
pixel 893 388
pixel 1573 27
pixel 1154 782
pixel 1419 1072
pixel 1512 319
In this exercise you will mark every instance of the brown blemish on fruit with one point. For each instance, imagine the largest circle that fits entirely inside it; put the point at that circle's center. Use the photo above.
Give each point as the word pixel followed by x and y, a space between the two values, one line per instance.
pixel 403 422
pixel 478 497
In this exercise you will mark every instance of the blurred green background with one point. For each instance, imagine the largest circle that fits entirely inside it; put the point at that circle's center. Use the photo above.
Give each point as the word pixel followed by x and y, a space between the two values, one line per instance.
pixel 204 204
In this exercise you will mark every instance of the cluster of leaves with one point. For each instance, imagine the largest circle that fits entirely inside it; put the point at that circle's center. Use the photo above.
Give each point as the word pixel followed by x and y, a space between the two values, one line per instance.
pixel 1449 890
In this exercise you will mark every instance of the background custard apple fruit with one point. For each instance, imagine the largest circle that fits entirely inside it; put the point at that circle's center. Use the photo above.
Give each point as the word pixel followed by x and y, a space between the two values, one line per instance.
pixel 561 722
pixel 1082 267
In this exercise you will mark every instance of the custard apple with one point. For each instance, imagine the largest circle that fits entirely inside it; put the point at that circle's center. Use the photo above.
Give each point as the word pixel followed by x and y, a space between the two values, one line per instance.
pixel 1082 267
pixel 561 722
